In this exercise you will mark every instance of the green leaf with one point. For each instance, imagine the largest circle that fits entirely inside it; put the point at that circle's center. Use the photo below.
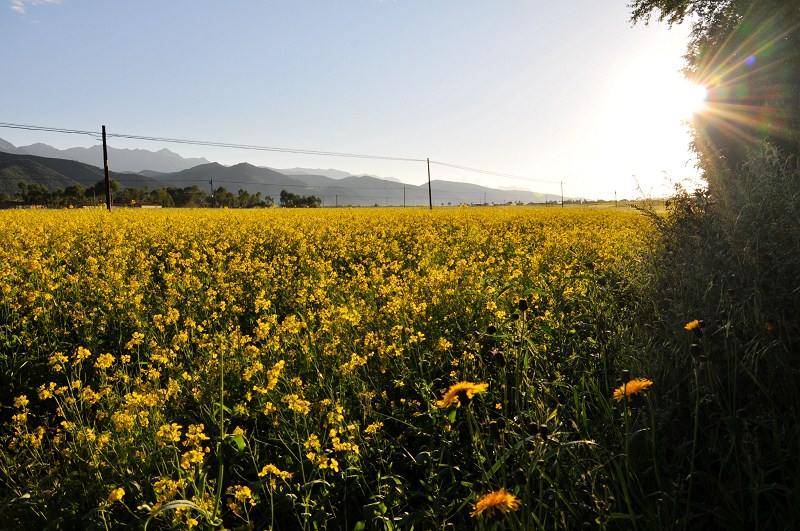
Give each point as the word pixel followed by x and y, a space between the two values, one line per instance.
pixel 237 439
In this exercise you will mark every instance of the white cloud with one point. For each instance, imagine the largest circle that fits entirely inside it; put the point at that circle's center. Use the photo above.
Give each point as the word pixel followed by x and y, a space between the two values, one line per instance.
pixel 19 6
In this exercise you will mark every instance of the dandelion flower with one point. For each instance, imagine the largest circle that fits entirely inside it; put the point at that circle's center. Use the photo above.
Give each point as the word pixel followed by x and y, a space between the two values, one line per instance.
pixel 691 325
pixel 499 500
pixel 636 387
pixel 456 391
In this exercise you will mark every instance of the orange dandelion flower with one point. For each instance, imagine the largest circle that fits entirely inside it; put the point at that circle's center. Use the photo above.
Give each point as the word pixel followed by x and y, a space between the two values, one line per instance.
pixel 692 325
pixel 461 389
pixel 639 386
pixel 499 500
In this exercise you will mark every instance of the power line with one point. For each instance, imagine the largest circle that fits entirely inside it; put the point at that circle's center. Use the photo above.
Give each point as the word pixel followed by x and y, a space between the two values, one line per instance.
pixel 210 143
pixel 250 147
pixel 265 148
pixel 487 172
pixel 94 134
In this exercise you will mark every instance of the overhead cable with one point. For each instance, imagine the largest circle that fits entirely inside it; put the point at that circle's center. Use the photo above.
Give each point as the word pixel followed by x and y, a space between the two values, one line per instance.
pixel 227 145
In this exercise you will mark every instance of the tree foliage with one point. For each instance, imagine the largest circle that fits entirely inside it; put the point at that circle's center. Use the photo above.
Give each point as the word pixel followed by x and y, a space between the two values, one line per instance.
pixel 729 257
pixel 747 53
pixel 290 200
pixel 188 197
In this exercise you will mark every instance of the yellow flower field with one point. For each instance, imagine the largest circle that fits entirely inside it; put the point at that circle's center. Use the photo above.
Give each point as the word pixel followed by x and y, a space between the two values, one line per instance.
pixel 284 368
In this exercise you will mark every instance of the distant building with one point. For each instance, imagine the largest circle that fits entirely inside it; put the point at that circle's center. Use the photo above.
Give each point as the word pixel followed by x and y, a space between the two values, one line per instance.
pixel 7 205
pixel 137 204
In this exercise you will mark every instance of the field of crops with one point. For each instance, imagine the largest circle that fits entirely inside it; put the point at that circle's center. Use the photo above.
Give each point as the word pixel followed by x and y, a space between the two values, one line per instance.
pixel 318 369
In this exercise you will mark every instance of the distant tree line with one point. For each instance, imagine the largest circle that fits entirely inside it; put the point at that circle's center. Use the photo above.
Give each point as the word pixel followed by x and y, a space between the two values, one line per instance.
pixel 290 200
pixel 189 197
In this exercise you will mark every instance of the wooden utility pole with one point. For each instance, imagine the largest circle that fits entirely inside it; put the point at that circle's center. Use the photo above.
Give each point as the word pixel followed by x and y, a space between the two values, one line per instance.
pixel 404 197
pixel 562 194
pixel 430 194
pixel 105 170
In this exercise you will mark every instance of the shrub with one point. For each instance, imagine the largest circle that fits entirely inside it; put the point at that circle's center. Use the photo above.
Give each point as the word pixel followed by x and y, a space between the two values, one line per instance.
pixel 725 302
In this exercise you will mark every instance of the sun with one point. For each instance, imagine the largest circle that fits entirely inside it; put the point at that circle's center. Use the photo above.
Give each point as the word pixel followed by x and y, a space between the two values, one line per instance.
pixel 691 99
pixel 653 99
pixel 679 100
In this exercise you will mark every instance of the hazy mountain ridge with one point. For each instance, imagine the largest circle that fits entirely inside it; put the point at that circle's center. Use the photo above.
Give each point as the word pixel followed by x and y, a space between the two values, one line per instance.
pixel 335 187
pixel 330 172
pixel 56 174
pixel 121 160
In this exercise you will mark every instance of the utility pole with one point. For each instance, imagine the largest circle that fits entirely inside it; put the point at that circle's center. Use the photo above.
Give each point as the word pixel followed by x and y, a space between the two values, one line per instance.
pixel 105 170
pixel 404 197
pixel 562 194
pixel 430 194
pixel 337 200
pixel 211 182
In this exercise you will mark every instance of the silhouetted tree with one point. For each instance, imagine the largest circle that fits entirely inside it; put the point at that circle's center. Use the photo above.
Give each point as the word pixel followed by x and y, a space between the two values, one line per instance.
pixel 747 53
pixel 161 197
pixel 98 191
pixel 223 198
pixel 34 194
pixel 191 196
pixel 291 200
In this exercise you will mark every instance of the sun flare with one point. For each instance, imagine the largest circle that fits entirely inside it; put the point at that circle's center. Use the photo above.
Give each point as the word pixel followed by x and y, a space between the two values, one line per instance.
pixel 692 99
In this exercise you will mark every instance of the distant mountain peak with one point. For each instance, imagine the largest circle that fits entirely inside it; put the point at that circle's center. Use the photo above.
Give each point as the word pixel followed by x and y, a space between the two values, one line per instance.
pixel 330 172
pixel 7 147
pixel 120 159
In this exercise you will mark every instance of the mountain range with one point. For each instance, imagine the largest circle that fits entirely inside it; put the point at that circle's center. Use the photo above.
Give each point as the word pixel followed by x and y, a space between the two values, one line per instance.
pixel 125 160
pixel 139 168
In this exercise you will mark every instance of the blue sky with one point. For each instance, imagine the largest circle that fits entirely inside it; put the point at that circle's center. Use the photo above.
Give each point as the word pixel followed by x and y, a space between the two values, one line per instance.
pixel 547 91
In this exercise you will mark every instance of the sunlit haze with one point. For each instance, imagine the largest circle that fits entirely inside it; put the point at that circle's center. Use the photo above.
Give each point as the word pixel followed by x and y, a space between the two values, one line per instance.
pixel 547 92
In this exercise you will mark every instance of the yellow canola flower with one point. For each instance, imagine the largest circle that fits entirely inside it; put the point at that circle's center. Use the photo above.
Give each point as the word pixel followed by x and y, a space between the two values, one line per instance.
pixel 116 495
pixel 209 271
pixel 192 457
pixel 297 404
pixel 465 389
pixel 81 354
pixel 328 462
pixel 21 401
pixel 104 361
pixel 169 433
pixel 195 435
pixel 270 469
pixel 373 428
pixel 242 493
